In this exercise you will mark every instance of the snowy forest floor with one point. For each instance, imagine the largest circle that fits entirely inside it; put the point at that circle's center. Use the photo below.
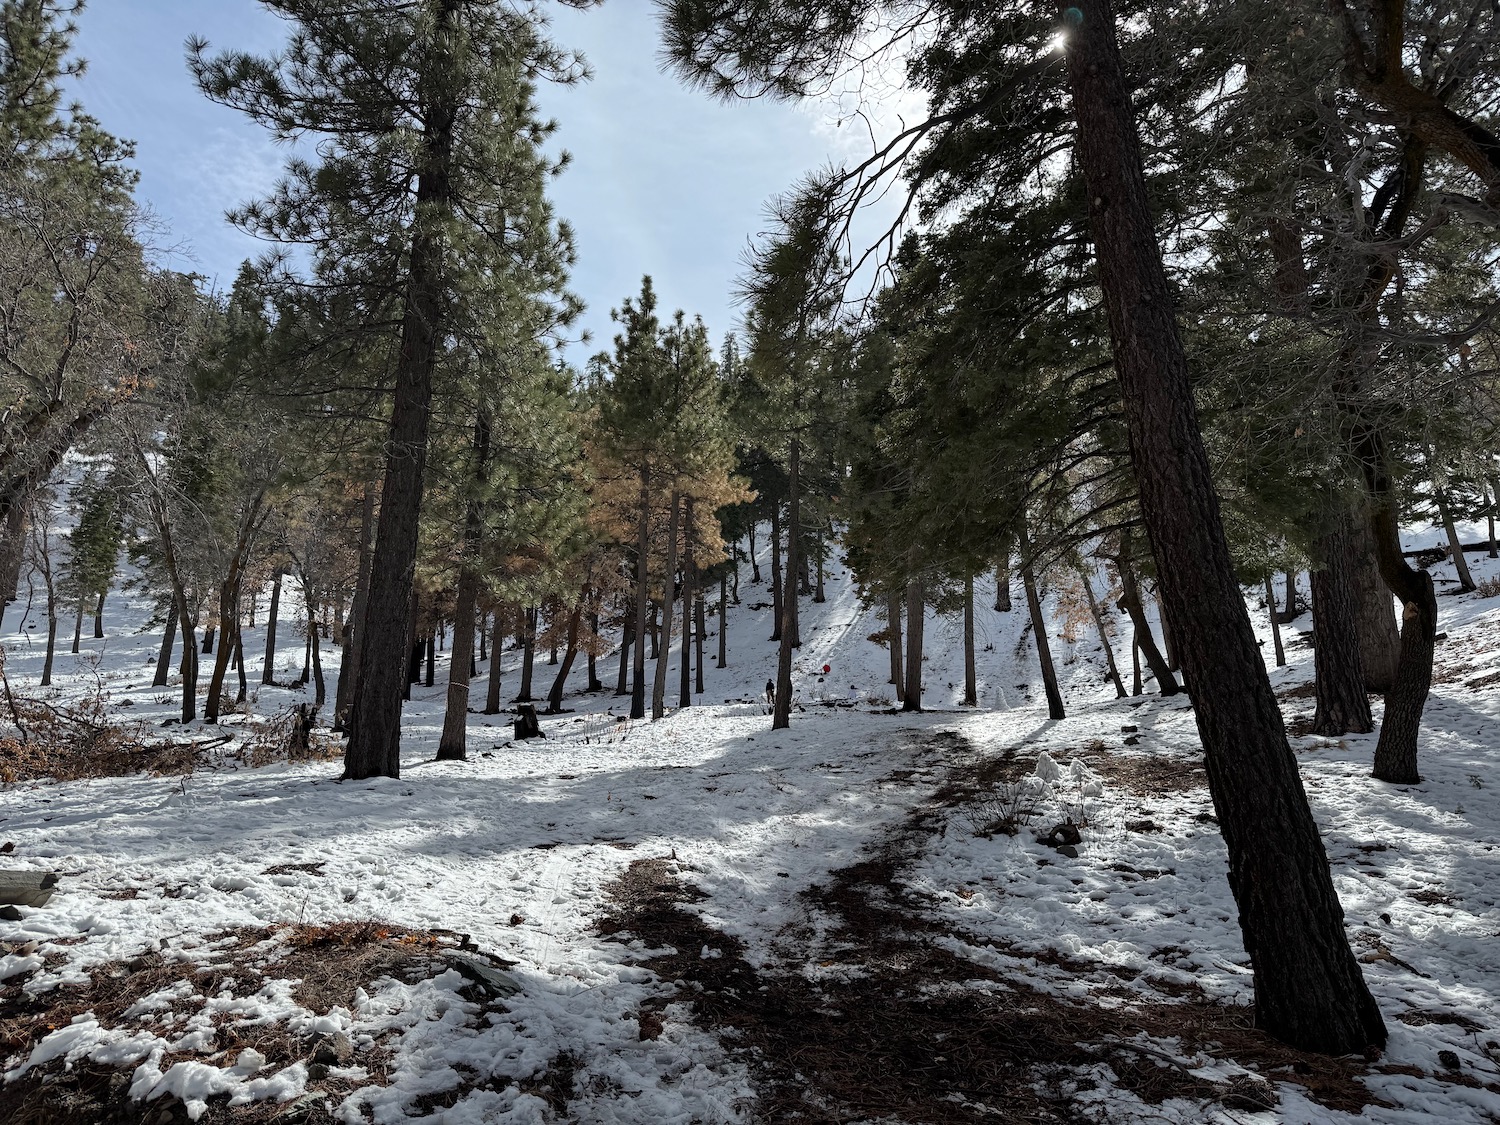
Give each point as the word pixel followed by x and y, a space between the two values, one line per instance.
pixel 700 920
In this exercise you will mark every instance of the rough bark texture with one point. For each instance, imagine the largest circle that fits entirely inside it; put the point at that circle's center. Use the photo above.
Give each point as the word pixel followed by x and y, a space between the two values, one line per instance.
pixel 1339 684
pixel 164 657
pixel 492 685
pixel 1379 635
pixel 453 745
pixel 528 656
pixel 1455 545
pixel 355 630
pixel 570 654
pixel 374 747
pixel 1130 602
pixel 916 609
pixel 99 607
pixel 893 641
pixel 1308 988
pixel 268 671
pixel 1103 629
pixel 642 598
pixel 777 586
pixel 1039 632
pixel 971 679
pixel 1275 625
pixel 699 614
pixel 723 621
pixel 783 575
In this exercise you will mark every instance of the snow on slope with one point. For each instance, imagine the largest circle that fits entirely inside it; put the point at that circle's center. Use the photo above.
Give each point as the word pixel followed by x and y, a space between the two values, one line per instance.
pixel 516 848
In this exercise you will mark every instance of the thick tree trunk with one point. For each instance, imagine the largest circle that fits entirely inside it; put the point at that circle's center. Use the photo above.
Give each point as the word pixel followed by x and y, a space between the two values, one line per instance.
pixel 1103 629
pixel 820 595
pixel 354 631
pixel 787 622
pixel 99 615
pixel 1490 501
pixel 12 551
pixel 916 613
pixel 1339 683
pixel 164 657
pixel 1294 605
pixel 699 616
pixel 777 586
pixel 268 670
pixel 893 641
pixel 1039 630
pixel 971 685
pixel 664 644
pixel 1309 991
pixel 208 639
pixel 1375 618
pixel 1130 602
pixel 374 746
pixel 1002 585
pixel 453 744
pixel 1168 642
pixel 1275 625
pixel 642 598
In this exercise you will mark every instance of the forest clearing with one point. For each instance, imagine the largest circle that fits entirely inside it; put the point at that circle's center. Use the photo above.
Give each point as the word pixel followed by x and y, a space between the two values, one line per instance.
pixel 1037 664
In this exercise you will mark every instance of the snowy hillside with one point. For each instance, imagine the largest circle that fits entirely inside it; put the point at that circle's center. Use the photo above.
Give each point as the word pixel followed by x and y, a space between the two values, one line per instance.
pixel 698 920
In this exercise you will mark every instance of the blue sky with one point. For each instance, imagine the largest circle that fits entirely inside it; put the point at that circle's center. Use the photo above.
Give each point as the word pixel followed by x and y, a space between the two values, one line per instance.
pixel 664 181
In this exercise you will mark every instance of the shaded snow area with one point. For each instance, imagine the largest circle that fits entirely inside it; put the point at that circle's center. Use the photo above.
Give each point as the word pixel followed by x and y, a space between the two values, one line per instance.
pixel 697 920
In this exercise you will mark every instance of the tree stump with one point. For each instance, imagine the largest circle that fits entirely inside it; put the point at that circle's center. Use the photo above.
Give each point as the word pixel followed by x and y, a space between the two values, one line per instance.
pixel 526 722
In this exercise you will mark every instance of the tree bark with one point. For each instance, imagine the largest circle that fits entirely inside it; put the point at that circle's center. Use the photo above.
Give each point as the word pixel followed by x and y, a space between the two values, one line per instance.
pixel 754 562
pixel 916 610
pixel 664 644
pixel 1130 602
pixel 1002 585
pixel 1275 625
pixel 320 687
pixel 164 657
pixel 354 630
pixel 1099 624
pixel 893 641
pixel 787 622
pixel 1039 630
pixel 595 684
pixel 642 598
pixel 453 745
pixel 268 671
pixel 99 616
pixel 971 686
pixel 1379 635
pixel 78 628
pixel 374 746
pixel 1339 681
pixel 239 664
pixel 570 653
pixel 1135 662
pixel 1309 991
pixel 528 656
pixel 699 615
pixel 492 685
pixel 627 642
pixel 430 676
pixel 1455 545
pixel 777 586
pixel 684 693
pixel 724 621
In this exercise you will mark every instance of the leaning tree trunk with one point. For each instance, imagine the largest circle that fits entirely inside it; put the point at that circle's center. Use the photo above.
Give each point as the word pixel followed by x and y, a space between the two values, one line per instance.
pixel 1039 630
pixel 971 685
pixel 51 635
pixel 916 610
pixel 1455 545
pixel 1379 635
pixel 1130 602
pixel 1339 680
pixel 354 629
pixel 754 562
pixel 1103 629
pixel 164 657
pixel 786 623
pixel 374 746
pixel 642 598
pixel 239 665
pixel 1309 991
pixel 893 641
pixel 570 654
pixel 320 688
pixel 78 628
pixel 664 644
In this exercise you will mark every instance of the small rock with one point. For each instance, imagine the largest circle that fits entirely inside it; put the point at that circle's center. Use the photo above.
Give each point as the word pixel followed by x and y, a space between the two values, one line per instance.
pixel 333 1050
pixel 1132 740
pixel 1068 850
pixel 1250 1092
pixel 10 914
pixel 317 1071
pixel 1386 918
pixel 651 1026
pixel 1064 833
pixel 1449 1060
pixel 1129 728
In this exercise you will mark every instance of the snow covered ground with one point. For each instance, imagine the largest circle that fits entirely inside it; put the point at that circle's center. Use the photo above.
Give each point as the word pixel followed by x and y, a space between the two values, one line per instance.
pixel 519 854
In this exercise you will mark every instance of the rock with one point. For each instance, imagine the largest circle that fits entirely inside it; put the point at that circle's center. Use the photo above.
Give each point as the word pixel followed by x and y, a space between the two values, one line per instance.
pixel 1250 1092
pixel 1129 728
pixel 1132 740
pixel 1064 833
pixel 10 914
pixel 1449 1060
pixel 316 1072
pixel 332 1050
pixel 27 888
pixel 1068 850
pixel 494 981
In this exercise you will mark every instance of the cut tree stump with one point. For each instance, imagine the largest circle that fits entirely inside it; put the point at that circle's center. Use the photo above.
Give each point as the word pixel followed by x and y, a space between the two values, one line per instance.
pixel 26 888
pixel 526 723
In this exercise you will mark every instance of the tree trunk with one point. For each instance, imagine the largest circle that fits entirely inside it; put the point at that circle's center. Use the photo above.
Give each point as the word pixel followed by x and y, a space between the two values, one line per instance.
pixel 374 746
pixel 51 636
pixel 893 640
pixel 99 616
pixel 229 605
pixel 492 686
pixel 664 643
pixel 1099 624
pixel 208 639
pixel 1491 499
pixel 570 653
pixel 1275 626
pixel 1308 988
pixel 1293 607
pixel 654 627
pixel 189 666
pixel 777 586
pixel 268 671
pixel 320 688
pixel 430 677
pixel 453 744
pixel 1379 635
pixel 12 551
pixel 754 562
pixel 354 630
pixel 308 628
pixel 528 656
pixel 723 621
pixel 627 642
pixel 595 684
pixel 164 657
pixel 685 685
pixel 1339 682
pixel 787 623
pixel 239 664
pixel 1455 545
pixel 699 615
pixel 78 628
pixel 1130 602
pixel 916 610
pixel 642 598
pixel 1039 629
pixel 1168 642
pixel 1002 585
pixel 1135 663
pixel 971 685
pixel 819 594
